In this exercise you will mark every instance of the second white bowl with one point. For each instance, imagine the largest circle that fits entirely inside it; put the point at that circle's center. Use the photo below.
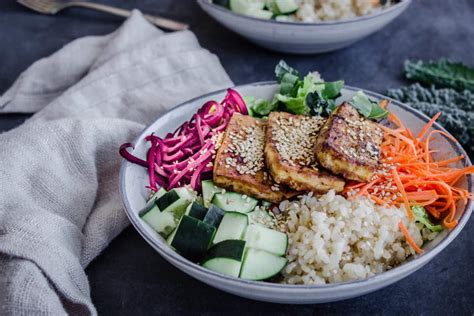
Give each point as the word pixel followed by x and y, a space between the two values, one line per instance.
pixel 303 38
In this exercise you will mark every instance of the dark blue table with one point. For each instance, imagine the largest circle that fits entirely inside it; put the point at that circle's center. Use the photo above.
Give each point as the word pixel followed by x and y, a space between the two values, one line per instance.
pixel 131 278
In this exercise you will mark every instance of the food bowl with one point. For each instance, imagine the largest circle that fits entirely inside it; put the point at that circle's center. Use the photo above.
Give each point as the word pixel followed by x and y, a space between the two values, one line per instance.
pixel 303 38
pixel 134 178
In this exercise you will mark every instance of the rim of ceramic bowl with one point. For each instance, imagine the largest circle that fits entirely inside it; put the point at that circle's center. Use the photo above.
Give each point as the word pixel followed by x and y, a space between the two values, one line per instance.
pixel 412 264
pixel 394 7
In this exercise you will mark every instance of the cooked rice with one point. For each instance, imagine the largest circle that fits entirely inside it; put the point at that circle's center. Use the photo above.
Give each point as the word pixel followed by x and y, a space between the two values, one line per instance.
pixel 324 10
pixel 332 239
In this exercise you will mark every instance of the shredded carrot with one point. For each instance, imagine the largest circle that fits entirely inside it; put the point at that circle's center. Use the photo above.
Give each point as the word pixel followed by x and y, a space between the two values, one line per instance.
pixel 409 239
pixel 410 175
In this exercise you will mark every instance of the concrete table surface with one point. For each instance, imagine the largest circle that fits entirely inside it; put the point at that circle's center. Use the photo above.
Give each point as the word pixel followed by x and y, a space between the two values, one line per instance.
pixel 129 277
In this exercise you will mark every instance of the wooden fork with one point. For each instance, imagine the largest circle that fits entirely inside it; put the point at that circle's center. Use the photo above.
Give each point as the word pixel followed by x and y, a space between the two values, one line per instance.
pixel 54 6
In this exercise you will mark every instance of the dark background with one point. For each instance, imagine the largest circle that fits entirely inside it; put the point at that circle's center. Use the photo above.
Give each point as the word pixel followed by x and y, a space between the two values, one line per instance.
pixel 131 278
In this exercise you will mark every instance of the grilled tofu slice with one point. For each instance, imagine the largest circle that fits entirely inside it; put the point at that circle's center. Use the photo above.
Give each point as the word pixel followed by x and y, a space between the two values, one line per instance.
pixel 289 153
pixel 349 144
pixel 239 165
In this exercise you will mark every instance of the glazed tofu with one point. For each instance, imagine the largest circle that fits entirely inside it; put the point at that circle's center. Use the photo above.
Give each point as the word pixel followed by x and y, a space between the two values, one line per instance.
pixel 239 165
pixel 349 144
pixel 289 153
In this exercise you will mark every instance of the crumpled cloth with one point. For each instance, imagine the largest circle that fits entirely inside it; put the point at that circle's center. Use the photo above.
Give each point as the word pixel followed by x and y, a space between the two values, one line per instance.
pixel 59 197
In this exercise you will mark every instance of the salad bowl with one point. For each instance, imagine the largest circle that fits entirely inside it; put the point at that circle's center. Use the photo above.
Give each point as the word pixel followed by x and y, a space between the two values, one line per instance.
pixel 134 178
pixel 303 38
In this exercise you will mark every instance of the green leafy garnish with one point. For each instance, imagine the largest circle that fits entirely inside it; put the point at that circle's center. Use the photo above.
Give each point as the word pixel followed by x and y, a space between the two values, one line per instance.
pixel 442 73
pixel 422 217
pixel 282 68
pixel 259 107
pixel 368 108
pixel 309 95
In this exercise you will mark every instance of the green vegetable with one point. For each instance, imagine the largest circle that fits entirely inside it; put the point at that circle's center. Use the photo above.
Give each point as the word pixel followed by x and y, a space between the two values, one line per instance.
pixel 422 216
pixel 457 109
pixel 259 107
pixel 367 107
pixel 442 73
pixel 309 95
pixel 283 68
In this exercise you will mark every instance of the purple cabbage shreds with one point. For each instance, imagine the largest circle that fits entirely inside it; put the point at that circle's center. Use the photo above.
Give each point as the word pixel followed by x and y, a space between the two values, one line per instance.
pixel 186 155
pixel 123 151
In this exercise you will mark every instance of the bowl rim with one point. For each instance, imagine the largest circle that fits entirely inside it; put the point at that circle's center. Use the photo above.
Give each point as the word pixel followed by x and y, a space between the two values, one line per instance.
pixel 402 4
pixel 404 269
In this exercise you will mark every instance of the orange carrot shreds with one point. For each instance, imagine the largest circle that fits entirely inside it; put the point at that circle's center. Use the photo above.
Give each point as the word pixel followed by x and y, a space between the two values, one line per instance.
pixel 410 175
pixel 428 126
pixel 401 188
pixel 408 237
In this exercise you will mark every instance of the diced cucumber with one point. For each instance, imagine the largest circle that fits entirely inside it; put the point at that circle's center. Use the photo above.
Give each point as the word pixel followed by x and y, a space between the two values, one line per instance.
pixel 261 265
pixel 162 222
pixel 225 257
pixel 174 205
pixel 152 201
pixel 267 239
pixel 171 237
pixel 234 202
pixel 261 14
pixel 208 191
pixel 196 210
pixel 232 226
pixel 286 6
pixel 193 237
pixel 214 216
pixel 271 6
pixel 176 200
pixel 243 6
pixel 261 217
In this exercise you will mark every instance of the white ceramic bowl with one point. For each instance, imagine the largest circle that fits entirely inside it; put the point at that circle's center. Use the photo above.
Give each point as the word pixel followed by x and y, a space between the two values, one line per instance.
pixel 303 38
pixel 133 180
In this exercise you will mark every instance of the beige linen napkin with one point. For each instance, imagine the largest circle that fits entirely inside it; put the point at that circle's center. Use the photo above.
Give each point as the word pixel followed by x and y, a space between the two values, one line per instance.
pixel 59 198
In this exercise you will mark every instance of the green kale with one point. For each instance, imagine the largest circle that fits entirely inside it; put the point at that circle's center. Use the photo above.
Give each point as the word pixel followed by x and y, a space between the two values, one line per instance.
pixel 457 109
pixel 422 217
pixel 442 73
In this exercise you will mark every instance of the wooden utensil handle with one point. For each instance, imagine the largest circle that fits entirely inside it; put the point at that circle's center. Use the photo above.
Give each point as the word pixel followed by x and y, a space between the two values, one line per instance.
pixel 158 21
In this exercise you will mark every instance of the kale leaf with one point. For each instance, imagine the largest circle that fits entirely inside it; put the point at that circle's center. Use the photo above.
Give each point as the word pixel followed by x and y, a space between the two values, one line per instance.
pixel 442 73
pixel 457 109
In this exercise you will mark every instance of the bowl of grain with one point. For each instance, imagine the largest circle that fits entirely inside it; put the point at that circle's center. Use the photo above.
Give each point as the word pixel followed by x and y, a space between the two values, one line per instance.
pixel 318 26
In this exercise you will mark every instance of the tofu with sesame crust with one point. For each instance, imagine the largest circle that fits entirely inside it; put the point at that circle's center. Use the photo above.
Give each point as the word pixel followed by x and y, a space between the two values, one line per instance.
pixel 239 164
pixel 289 153
pixel 349 144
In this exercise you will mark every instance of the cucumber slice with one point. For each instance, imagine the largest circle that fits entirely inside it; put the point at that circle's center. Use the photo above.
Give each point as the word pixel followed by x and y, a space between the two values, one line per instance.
pixel 162 222
pixel 261 14
pixel 234 202
pixel 171 237
pixel 208 191
pixel 196 210
pixel 286 6
pixel 192 238
pixel 261 217
pixel 263 238
pixel 243 6
pixel 271 6
pixel 152 201
pixel 214 216
pixel 176 199
pixel 225 257
pixel 232 226
pixel 261 265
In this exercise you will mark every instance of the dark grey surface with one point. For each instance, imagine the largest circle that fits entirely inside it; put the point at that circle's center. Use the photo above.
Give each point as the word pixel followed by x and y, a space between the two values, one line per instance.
pixel 131 278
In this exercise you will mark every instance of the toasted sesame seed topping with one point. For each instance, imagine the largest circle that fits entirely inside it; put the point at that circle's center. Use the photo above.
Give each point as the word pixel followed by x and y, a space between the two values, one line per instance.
pixel 294 139
pixel 246 147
